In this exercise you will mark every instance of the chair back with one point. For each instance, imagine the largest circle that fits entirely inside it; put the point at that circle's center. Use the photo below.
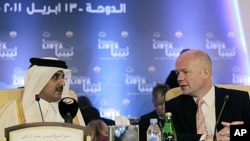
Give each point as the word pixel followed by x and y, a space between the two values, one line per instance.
pixel 174 92
pixel 10 94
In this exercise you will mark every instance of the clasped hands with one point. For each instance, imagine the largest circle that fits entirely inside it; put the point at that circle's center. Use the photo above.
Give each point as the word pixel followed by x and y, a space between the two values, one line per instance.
pixel 224 133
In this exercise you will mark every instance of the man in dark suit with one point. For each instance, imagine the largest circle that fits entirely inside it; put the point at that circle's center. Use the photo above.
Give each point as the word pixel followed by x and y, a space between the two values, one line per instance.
pixel 158 99
pixel 194 70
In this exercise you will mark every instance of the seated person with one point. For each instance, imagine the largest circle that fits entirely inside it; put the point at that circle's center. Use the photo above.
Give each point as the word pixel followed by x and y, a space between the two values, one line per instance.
pixel 45 78
pixel 83 102
pixel 194 121
pixel 158 100
pixel 97 130
pixel 89 112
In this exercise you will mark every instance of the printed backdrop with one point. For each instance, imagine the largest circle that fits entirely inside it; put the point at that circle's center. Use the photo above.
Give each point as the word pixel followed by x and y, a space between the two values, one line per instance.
pixel 119 49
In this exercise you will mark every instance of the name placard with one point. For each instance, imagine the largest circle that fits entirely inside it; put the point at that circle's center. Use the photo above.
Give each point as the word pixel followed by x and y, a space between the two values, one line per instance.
pixel 45 132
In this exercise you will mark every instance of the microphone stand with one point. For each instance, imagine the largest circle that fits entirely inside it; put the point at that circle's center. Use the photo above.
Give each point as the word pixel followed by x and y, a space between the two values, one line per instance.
pixel 40 109
pixel 222 109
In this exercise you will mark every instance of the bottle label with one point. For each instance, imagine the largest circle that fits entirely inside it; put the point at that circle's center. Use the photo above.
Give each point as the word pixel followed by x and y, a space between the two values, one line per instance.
pixel 154 135
pixel 153 138
pixel 168 137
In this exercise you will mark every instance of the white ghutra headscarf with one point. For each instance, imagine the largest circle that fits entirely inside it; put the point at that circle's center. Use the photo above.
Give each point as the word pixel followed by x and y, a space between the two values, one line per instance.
pixel 39 74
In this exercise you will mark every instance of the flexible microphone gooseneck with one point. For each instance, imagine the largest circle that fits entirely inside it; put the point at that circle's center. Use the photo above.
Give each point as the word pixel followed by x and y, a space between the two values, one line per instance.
pixel 38 101
pixel 226 98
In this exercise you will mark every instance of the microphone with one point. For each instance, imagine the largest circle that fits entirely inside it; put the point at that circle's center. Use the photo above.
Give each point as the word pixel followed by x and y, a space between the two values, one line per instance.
pixel 68 108
pixel 226 98
pixel 37 97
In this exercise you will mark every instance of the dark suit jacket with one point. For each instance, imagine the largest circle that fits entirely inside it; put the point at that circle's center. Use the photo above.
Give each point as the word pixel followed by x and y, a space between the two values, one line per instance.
pixel 144 123
pixel 184 110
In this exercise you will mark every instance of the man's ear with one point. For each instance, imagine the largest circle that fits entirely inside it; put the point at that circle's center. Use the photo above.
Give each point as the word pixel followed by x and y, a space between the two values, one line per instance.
pixel 206 72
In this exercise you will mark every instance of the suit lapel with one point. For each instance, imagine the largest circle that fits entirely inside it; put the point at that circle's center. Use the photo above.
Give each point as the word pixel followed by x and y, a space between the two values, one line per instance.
pixel 189 109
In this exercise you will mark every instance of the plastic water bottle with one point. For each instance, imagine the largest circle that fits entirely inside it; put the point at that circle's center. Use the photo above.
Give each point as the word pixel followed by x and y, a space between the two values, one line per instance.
pixel 154 131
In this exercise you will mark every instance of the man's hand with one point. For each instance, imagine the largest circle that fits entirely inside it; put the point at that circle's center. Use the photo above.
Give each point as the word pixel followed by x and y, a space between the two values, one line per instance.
pixel 224 134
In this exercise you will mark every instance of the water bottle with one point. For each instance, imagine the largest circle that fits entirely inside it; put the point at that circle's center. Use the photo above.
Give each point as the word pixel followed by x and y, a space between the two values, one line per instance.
pixel 154 131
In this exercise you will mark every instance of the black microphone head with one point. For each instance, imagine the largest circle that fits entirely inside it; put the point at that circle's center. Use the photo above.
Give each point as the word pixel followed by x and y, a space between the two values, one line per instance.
pixel 68 108
pixel 37 97
pixel 226 98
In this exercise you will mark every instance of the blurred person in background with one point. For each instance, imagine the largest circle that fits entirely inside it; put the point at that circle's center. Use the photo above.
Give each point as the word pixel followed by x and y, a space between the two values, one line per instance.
pixel 98 130
pixel 89 112
pixel 158 100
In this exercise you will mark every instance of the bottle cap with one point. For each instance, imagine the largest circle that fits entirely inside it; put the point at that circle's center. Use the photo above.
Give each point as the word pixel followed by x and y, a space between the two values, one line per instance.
pixel 168 114
pixel 153 120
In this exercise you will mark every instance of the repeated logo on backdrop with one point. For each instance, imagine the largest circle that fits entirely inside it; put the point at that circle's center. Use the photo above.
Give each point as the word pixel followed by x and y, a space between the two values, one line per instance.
pixel 8 51
pixel 117 51
pixel 113 47
pixel 58 48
